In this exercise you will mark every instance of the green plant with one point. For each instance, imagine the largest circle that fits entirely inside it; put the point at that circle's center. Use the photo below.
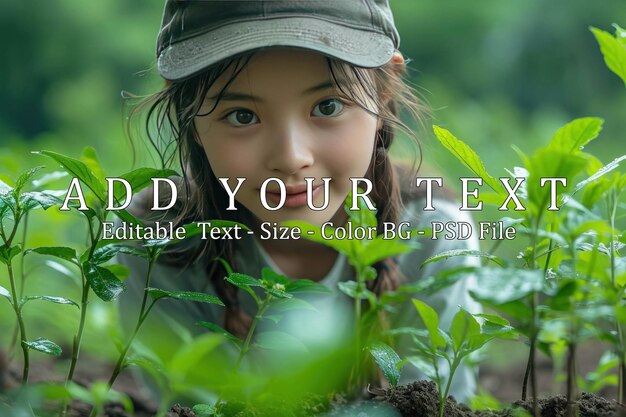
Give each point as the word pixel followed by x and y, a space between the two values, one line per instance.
pixel 14 208
pixel 361 254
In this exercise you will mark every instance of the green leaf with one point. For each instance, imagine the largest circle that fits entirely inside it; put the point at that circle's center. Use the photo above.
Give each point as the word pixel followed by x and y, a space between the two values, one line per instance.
pixel 140 179
pixel 350 288
pixel 106 285
pixel 21 181
pixel 90 159
pixel 614 52
pixel 107 252
pixel 78 169
pixel 493 319
pixel 288 304
pixel 56 300
pixel 551 163
pixel 44 345
pixel 499 286
pixel 431 320
pixel 379 249
pixel 281 341
pixel 60 252
pixel 269 275
pixel 204 410
pixel 388 361
pixel 305 286
pixel 120 271
pixel 463 326
pixel 217 329
pixel 243 280
pixel 576 134
pixel 7 254
pixel 462 252
pixel 34 199
pixel 467 156
pixel 198 297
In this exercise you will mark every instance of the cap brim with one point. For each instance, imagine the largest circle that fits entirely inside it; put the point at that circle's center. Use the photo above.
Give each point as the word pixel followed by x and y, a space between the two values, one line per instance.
pixel 360 47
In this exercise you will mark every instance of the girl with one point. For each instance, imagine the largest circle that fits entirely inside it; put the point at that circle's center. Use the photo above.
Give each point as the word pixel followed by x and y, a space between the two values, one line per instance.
pixel 289 90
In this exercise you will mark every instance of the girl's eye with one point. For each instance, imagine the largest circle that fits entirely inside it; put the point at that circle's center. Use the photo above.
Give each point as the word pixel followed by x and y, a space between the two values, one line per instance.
pixel 328 108
pixel 242 117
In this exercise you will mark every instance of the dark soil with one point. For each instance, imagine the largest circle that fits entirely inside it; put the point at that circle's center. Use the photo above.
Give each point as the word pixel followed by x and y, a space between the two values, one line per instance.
pixel 418 399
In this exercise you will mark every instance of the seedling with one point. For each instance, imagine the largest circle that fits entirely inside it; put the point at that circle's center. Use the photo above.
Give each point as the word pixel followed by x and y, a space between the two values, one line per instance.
pixel 465 336
pixel 14 207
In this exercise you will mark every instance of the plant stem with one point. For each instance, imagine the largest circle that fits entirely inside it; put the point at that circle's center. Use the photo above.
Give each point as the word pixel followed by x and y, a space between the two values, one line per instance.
pixel 246 344
pixel 20 321
pixel 143 314
pixel 571 380
pixel 84 301
pixel 16 329
pixel 444 397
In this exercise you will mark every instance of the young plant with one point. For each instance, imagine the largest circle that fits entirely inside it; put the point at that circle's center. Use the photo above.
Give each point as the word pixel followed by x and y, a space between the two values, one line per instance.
pixel 14 208
pixel 273 292
pixel 465 336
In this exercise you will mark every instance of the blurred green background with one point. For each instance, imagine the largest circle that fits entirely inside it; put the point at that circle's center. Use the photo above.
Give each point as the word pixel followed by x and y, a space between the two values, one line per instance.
pixel 494 72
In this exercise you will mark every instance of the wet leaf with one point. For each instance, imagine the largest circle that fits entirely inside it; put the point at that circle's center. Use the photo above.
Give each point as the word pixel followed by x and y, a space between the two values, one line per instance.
pixel 60 252
pixel 21 181
pixel 106 285
pixel 56 300
pixel 198 297
pixel 44 345
pixel 34 199
pixel 388 361
pixel 462 252
pixel 243 280
pixel 499 286
pixel 107 252
pixel 78 169
pixel 576 134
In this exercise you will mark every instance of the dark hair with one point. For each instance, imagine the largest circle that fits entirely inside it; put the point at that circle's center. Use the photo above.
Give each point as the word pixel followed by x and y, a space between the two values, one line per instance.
pixel 171 131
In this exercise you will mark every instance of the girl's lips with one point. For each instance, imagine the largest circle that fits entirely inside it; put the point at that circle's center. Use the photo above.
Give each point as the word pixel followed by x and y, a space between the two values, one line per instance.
pixel 295 197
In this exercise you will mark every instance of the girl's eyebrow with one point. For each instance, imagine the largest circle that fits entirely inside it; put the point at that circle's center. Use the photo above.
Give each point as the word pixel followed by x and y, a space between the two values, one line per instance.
pixel 235 96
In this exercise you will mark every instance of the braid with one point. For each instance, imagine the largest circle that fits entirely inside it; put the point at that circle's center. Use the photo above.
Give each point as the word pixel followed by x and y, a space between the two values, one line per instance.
pixel 386 194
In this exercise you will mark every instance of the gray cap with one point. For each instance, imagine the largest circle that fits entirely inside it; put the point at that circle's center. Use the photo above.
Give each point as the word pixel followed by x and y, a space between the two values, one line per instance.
pixel 196 34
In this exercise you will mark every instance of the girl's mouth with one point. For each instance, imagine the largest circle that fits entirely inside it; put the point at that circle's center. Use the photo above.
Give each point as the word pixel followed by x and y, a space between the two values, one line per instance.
pixel 294 197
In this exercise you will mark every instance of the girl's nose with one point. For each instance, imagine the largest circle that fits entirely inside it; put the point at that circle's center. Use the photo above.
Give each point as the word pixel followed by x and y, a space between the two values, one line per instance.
pixel 289 152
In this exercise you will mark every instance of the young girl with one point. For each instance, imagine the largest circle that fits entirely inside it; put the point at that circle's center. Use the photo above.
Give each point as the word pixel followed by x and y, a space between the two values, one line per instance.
pixel 288 90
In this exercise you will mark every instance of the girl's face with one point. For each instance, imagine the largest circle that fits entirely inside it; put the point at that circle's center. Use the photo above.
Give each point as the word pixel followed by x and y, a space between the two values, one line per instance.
pixel 282 117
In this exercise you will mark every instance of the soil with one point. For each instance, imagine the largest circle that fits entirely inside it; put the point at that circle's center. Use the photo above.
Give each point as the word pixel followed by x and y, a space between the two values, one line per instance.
pixel 412 400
